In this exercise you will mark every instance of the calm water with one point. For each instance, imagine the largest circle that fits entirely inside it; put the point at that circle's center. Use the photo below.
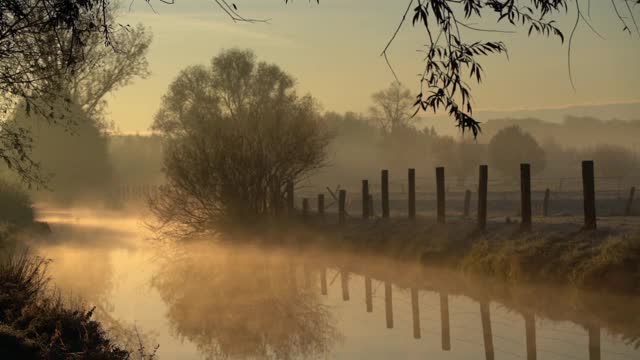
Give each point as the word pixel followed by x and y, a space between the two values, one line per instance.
pixel 212 301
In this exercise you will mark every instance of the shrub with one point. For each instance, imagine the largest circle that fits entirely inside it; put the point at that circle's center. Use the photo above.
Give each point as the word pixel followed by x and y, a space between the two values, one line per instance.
pixel 510 147
pixel 15 205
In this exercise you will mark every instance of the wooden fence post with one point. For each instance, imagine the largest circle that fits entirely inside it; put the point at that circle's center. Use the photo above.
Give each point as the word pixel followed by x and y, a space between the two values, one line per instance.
pixel 323 281
pixel 525 196
pixel 368 294
pixel 545 204
pixel 589 193
pixel 365 199
pixel 385 193
pixel 342 198
pixel 629 207
pixel 344 280
pixel 412 193
pixel 530 333
pixel 487 334
pixel 594 343
pixel 440 194
pixel 321 206
pixel 372 213
pixel 482 197
pixel 388 304
pixel 415 312
pixel 444 322
pixel 290 202
pixel 467 203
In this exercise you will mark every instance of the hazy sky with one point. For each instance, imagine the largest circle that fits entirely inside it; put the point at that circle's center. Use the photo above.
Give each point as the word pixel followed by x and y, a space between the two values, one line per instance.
pixel 333 49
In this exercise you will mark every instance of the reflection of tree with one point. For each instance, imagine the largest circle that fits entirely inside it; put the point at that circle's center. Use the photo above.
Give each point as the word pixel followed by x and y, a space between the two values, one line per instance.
pixel 242 304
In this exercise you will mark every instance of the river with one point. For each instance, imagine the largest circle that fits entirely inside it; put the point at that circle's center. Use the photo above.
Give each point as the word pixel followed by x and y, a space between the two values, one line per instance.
pixel 213 300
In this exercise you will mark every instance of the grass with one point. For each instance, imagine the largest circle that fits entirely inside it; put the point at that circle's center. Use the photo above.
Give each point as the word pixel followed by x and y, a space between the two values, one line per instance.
pixel 588 262
pixel 36 324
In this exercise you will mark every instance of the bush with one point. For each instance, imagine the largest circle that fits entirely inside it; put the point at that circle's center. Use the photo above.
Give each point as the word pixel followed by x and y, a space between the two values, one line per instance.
pixel 510 147
pixel 15 205
pixel 612 160
pixel 234 134
pixel 36 324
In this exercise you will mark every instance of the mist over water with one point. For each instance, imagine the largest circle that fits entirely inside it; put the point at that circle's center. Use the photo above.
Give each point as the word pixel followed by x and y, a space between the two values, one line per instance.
pixel 215 300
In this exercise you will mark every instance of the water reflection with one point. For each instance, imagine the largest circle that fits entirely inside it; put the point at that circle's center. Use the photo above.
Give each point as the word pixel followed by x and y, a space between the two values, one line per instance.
pixel 244 303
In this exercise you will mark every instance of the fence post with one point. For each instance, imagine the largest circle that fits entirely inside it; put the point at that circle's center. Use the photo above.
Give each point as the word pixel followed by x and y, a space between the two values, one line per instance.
pixel 589 193
pixel 530 333
pixel 388 304
pixel 415 312
pixel 486 330
pixel 321 206
pixel 412 193
pixel 525 195
pixel 629 207
pixel 365 199
pixel 385 193
pixel 342 198
pixel 594 343
pixel 440 194
pixel 467 203
pixel 545 205
pixel 372 212
pixel 305 208
pixel 344 280
pixel 482 196
pixel 444 322
pixel 290 203
pixel 323 281
pixel 368 294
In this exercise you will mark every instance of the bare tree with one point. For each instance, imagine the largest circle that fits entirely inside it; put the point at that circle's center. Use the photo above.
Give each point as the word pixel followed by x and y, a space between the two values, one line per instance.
pixel 235 133
pixel 392 107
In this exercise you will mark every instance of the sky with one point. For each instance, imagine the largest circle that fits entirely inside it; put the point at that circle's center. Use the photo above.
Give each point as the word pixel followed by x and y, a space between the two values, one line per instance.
pixel 333 49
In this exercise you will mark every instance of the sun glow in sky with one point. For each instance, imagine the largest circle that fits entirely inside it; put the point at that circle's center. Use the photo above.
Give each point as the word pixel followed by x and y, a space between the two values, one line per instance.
pixel 333 51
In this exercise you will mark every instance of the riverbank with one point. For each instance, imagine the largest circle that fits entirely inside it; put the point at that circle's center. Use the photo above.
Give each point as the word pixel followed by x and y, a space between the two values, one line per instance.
pixel 556 251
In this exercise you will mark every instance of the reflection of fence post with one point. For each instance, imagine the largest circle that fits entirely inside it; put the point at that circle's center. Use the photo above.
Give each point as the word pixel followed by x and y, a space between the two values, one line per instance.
pixel 321 206
pixel 545 204
pixel 290 198
pixel 594 343
pixel 342 198
pixel 440 194
pixel 530 332
pixel 368 294
pixel 589 193
pixel 323 281
pixel 525 195
pixel 482 197
pixel 344 280
pixel 385 193
pixel 486 330
pixel 365 199
pixel 627 210
pixel 467 203
pixel 415 311
pixel 412 193
pixel 444 322
pixel 388 304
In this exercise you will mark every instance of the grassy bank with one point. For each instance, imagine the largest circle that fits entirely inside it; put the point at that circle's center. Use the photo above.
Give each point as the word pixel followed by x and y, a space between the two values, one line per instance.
pixel 35 323
pixel 606 259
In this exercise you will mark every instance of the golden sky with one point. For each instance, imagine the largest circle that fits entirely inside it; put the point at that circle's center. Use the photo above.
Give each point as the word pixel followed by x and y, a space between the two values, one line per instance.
pixel 333 49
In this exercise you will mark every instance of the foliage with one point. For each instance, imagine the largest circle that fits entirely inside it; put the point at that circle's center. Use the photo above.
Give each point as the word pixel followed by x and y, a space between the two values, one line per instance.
pixel 460 158
pixel 15 205
pixel 235 134
pixel 36 324
pixel 511 147
pixel 56 52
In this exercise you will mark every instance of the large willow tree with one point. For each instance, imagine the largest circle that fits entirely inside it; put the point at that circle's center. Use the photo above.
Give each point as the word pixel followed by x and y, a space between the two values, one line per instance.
pixel 235 133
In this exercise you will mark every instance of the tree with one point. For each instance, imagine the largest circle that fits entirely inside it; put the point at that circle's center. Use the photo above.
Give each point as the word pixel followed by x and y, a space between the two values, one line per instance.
pixel 510 147
pixel 32 32
pixel 392 107
pixel 235 133
pixel 612 160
